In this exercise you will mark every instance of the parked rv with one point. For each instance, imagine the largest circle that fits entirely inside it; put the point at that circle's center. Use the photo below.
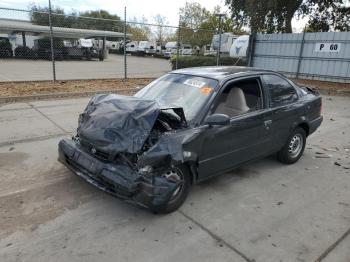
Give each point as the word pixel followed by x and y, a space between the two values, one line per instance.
pixel 143 47
pixel 186 49
pixel 240 46
pixel 113 46
pixel 226 42
pixel 171 49
pixel 132 47
pixel 79 49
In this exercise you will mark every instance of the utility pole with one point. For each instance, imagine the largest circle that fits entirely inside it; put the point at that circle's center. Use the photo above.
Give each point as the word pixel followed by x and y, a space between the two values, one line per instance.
pixel 52 43
pixel 220 33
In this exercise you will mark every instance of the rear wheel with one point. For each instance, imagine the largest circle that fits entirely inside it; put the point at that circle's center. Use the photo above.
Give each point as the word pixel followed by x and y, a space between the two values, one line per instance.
pixel 294 148
pixel 181 175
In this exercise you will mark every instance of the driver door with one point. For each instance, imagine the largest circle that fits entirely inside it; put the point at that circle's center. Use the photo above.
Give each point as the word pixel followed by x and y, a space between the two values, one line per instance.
pixel 246 136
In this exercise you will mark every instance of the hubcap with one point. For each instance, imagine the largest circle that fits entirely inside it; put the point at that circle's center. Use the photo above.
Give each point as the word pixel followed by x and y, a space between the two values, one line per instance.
pixel 175 175
pixel 295 145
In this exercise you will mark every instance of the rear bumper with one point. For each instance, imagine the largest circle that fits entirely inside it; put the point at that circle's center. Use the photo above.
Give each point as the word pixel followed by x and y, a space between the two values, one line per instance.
pixel 118 179
pixel 314 124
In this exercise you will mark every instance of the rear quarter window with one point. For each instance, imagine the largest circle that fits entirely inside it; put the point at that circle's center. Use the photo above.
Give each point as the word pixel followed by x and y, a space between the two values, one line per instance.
pixel 280 90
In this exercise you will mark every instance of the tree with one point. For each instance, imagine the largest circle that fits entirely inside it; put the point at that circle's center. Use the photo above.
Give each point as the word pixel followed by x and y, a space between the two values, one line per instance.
pixel 198 25
pixel 325 19
pixel 193 15
pixel 276 15
pixel 40 16
pixel 139 30
pixel 161 31
pixel 104 21
pixel 316 25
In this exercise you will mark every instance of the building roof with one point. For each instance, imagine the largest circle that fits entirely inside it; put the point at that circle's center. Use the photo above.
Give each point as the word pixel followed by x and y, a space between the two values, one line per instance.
pixel 17 26
pixel 219 72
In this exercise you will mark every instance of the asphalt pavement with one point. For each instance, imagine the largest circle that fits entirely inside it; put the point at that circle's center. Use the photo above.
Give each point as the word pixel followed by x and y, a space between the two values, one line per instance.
pixel 264 211
pixel 112 67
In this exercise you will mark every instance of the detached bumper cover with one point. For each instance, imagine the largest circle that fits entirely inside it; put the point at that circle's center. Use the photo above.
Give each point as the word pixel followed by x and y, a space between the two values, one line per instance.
pixel 117 179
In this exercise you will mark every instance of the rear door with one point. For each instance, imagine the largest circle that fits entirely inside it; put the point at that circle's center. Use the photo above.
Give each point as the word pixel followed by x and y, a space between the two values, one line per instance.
pixel 284 109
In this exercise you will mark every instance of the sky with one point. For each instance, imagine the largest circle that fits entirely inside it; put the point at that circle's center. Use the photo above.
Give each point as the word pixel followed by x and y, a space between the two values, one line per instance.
pixel 135 8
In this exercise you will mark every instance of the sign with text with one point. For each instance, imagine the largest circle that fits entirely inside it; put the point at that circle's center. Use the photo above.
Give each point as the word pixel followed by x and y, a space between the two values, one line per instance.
pixel 327 47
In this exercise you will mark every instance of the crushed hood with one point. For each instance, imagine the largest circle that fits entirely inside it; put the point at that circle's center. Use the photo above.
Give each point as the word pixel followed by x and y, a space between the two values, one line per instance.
pixel 118 123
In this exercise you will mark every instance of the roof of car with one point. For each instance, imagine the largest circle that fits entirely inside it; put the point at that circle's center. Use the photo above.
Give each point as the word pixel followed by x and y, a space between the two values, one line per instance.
pixel 219 72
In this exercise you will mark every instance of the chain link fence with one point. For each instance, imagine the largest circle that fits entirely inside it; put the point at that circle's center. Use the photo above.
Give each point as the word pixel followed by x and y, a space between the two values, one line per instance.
pixel 40 44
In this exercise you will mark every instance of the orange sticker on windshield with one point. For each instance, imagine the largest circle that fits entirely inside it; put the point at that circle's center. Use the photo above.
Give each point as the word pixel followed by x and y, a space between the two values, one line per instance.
pixel 206 90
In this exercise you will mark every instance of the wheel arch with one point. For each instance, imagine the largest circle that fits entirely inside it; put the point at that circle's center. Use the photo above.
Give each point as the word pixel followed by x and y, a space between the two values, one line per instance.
pixel 305 126
pixel 192 170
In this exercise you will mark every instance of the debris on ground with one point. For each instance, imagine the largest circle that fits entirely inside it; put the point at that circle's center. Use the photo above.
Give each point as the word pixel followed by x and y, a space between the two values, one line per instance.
pixel 337 164
pixel 335 149
pixel 323 156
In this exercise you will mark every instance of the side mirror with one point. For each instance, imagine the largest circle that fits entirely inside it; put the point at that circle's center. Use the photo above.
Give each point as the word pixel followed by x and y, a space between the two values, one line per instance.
pixel 217 119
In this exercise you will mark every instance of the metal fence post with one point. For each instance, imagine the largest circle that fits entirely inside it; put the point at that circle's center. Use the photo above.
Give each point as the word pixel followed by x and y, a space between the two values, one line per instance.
pixel 178 44
pixel 251 48
pixel 220 33
pixel 125 62
pixel 52 43
pixel 300 55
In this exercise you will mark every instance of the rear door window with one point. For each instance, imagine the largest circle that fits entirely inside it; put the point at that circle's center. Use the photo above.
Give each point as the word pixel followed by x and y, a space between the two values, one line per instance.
pixel 280 90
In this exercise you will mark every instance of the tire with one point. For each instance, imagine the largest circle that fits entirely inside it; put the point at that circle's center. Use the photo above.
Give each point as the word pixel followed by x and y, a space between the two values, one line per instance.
pixel 294 148
pixel 179 198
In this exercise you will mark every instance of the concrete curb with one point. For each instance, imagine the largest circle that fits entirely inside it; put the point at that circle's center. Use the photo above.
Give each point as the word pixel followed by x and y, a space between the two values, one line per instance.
pixel 16 99
pixel 332 92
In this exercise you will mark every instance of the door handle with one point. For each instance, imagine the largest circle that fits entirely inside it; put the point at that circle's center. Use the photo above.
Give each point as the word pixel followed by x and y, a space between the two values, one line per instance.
pixel 267 122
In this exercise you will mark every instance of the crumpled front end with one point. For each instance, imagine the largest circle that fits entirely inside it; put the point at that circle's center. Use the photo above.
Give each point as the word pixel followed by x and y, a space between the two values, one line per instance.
pixel 126 145
pixel 118 178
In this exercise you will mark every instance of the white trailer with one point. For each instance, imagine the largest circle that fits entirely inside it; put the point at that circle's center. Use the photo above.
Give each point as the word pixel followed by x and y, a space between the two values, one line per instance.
pixel 132 47
pixel 240 46
pixel 171 49
pixel 113 46
pixel 226 42
pixel 146 48
pixel 186 49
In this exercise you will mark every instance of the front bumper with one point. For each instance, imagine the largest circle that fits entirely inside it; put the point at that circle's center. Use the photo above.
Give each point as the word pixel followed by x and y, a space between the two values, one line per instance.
pixel 118 179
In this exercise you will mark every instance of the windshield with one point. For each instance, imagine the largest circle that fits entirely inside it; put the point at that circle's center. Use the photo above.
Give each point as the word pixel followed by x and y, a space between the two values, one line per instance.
pixel 176 90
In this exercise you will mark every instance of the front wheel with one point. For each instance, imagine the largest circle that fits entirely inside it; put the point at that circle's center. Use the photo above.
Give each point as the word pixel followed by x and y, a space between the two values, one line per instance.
pixel 182 175
pixel 294 148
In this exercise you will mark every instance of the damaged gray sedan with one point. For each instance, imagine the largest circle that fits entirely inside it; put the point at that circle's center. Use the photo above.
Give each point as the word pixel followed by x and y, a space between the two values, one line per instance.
pixel 188 126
